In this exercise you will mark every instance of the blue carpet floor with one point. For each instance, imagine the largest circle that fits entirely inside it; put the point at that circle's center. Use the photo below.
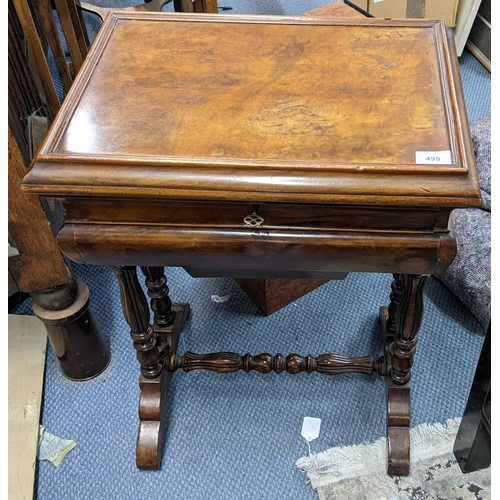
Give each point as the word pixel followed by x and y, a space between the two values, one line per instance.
pixel 238 436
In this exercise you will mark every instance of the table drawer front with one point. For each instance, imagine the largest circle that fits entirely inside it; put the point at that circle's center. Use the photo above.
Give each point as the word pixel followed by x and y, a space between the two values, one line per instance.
pixel 288 251
pixel 247 215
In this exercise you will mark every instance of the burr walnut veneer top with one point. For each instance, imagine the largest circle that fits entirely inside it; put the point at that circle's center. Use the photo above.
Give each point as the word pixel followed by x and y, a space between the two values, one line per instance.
pixel 221 103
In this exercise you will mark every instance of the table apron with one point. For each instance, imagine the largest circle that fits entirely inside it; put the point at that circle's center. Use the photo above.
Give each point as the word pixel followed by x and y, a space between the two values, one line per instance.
pixel 299 252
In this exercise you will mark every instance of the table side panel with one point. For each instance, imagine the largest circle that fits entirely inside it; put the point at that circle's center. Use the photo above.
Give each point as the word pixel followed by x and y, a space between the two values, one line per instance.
pixel 289 239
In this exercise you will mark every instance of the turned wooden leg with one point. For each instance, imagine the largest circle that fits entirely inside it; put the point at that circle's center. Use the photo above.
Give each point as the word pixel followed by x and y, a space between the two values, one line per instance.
pixel 400 324
pixel 136 311
pixel 161 304
pixel 153 342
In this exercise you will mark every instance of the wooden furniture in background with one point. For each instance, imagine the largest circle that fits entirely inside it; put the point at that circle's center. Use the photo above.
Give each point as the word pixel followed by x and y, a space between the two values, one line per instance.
pixel 466 13
pixel 479 41
pixel 199 6
pixel 59 300
pixel 300 155
pixel 270 295
pixel 39 29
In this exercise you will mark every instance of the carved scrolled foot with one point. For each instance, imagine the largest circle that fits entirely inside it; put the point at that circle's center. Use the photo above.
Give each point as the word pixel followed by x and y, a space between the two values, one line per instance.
pixel 400 325
pixel 153 398
pixel 398 413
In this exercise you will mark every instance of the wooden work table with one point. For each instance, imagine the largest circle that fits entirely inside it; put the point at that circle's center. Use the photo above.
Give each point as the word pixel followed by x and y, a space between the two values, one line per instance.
pixel 262 147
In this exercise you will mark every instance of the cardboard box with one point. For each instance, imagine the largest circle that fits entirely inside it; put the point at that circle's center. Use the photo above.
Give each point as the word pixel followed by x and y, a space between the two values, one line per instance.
pixel 430 9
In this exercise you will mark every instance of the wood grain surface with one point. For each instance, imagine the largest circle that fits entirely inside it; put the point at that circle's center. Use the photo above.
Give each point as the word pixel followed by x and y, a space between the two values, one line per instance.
pixel 262 106
pixel 317 110
pixel 31 232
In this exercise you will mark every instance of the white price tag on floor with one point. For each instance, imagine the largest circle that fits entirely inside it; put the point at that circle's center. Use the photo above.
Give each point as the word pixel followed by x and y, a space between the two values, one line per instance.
pixel 310 428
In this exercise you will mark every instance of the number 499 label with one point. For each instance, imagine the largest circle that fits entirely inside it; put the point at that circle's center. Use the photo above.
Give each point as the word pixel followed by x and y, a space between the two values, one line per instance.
pixel 433 157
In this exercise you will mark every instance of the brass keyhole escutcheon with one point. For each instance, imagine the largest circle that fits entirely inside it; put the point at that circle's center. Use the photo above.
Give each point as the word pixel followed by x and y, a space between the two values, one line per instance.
pixel 253 219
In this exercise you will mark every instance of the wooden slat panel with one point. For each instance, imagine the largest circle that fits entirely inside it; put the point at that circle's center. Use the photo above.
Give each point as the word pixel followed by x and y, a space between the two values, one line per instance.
pixel 70 22
pixel 79 26
pixel 38 53
pixel 49 25
pixel 24 94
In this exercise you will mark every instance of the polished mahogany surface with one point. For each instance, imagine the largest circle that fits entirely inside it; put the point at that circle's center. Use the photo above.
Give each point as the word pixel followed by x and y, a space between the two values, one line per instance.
pixel 263 108
pixel 263 105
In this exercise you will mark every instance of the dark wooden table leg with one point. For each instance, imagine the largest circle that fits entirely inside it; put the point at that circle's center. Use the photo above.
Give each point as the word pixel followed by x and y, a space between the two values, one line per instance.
pixel 72 330
pixel 400 324
pixel 153 343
